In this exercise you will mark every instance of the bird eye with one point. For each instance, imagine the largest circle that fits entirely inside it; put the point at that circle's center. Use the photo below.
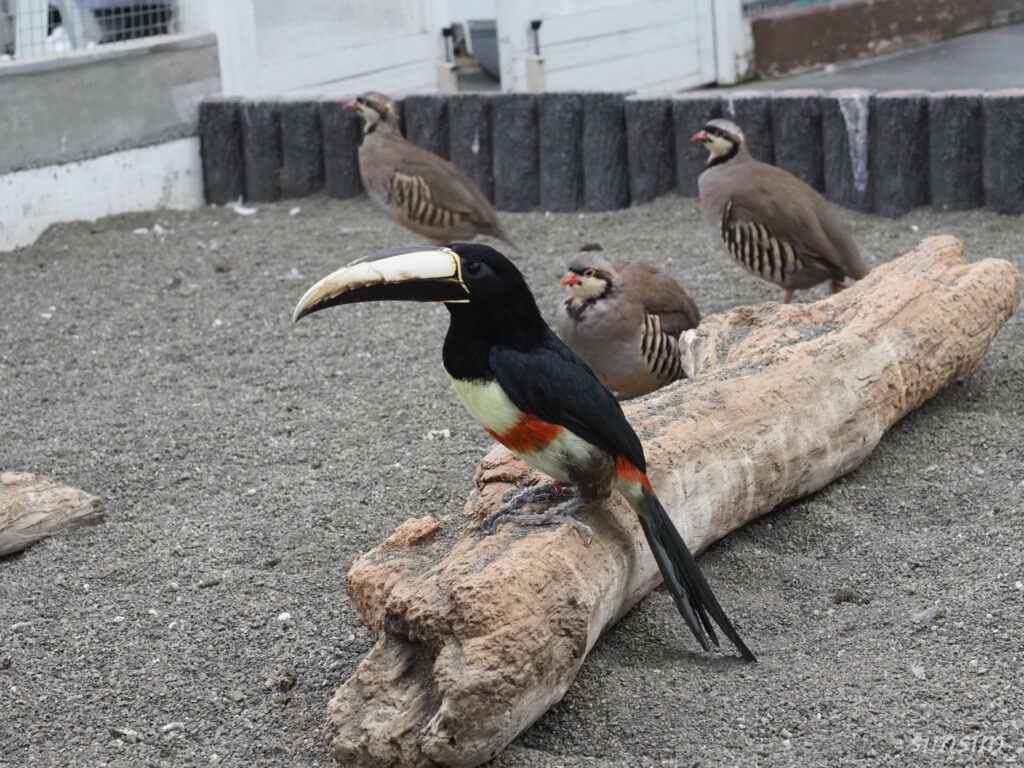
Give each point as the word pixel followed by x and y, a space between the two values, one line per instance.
pixel 589 273
pixel 473 268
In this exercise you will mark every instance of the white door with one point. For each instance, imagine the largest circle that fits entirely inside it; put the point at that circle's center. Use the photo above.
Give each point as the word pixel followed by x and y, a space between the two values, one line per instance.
pixel 599 45
pixel 327 47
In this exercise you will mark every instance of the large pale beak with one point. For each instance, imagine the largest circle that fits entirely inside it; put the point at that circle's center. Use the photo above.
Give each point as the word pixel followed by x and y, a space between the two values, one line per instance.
pixel 402 274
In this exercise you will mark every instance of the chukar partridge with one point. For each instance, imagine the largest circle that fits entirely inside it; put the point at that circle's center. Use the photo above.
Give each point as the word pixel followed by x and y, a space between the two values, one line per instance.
pixel 773 224
pixel 421 191
pixel 625 320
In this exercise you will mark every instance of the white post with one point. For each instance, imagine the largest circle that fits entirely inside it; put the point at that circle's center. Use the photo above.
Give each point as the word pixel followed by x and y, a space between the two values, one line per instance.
pixel 75 24
pixel 194 16
pixel 734 47
pixel 437 14
pixel 513 43
pixel 234 22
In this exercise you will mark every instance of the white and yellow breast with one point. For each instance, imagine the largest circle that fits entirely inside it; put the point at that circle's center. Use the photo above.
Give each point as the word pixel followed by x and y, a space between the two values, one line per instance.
pixel 550 448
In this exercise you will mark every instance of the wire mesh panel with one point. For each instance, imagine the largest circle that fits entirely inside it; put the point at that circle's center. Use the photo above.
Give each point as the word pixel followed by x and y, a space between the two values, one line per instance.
pixel 34 28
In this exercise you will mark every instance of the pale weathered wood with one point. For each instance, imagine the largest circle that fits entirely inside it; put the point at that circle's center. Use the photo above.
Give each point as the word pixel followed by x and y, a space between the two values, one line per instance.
pixel 478 635
pixel 34 508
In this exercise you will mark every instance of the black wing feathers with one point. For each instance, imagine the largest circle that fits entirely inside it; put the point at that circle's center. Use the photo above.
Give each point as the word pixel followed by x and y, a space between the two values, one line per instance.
pixel 553 384
pixel 684 580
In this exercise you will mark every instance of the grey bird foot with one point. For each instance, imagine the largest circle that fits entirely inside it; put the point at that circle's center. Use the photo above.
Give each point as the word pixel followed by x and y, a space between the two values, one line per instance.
pixel 518 498
pixel 556 515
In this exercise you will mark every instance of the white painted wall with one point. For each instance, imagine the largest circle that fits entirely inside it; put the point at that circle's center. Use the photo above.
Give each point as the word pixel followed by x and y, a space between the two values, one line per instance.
pixel 734 42
pixel 339 47
pixel 161 176
pixel 324 47
pixel 610 44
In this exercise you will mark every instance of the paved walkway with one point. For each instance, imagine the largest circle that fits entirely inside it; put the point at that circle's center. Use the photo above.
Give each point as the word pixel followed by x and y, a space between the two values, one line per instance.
pixel 990 60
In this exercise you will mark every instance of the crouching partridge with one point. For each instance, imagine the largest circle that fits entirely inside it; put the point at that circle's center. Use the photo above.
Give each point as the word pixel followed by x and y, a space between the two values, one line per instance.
pixel 421 191
pixel 624 320
pixel 773 224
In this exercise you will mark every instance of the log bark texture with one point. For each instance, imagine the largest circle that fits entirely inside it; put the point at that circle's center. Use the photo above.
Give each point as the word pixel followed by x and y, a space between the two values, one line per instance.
pixel 478 635
pixel 34 508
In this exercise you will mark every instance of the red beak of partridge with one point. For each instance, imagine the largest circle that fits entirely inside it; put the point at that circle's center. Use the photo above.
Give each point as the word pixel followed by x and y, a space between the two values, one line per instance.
pixel 700 136
pixel 569 279
pixel 351 105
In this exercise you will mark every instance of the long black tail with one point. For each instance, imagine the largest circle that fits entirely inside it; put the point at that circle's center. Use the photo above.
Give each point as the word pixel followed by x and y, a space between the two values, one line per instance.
pixel 683 578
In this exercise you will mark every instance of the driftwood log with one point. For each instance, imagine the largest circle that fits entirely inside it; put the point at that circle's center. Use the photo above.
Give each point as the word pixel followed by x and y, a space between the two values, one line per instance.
pixel 478 635
pixel 34 508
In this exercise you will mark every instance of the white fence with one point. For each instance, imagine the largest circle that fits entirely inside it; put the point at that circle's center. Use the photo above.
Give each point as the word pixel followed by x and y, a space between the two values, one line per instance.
pixel 323 47
pixel 275 47
pixel 606 44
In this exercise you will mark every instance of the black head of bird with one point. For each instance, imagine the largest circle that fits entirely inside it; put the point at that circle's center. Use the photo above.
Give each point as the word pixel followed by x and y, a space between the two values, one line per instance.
pixel 722 138
pixel 480 287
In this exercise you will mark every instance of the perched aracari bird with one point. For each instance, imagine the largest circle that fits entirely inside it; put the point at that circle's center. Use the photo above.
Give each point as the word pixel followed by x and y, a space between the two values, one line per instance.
pixel 523 385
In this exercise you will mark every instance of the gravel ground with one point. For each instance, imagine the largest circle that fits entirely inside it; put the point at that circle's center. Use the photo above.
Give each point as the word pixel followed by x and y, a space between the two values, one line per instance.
pixel 246 462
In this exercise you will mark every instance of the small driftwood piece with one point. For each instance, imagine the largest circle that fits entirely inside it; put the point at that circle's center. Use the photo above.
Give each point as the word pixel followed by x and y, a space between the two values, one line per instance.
pixel 34 508
pixel 478 635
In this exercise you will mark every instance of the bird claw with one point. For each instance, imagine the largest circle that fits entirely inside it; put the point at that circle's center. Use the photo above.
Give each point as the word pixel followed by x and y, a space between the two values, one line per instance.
pixel 517 498
pixel 556 515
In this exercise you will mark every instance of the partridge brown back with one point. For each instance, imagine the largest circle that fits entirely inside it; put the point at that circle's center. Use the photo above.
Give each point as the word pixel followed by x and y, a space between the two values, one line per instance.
pixel 660 296
pixel 777 226
pixel 629 337
pixel 423 192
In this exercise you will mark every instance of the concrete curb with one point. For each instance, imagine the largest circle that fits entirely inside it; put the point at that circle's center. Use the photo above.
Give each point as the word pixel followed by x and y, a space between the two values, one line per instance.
pixel 302 149
pixel 261 138
pixel 469 133
pixel 1003 170
pixel 560 141
pixel 425 122
pixel 516 153
pixel 691 112
pixel 220 144
pixel 899 151
pixel 886 152
pixel 955 153
pixel 605 157
pixel 845 123
pixel 342 130
pixel 650 140
pixel 752 111
pixel 797 135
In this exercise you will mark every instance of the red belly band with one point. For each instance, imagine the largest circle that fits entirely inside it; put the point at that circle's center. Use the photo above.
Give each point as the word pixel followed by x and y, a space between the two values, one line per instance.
pixel 529 435
pixel 629 472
